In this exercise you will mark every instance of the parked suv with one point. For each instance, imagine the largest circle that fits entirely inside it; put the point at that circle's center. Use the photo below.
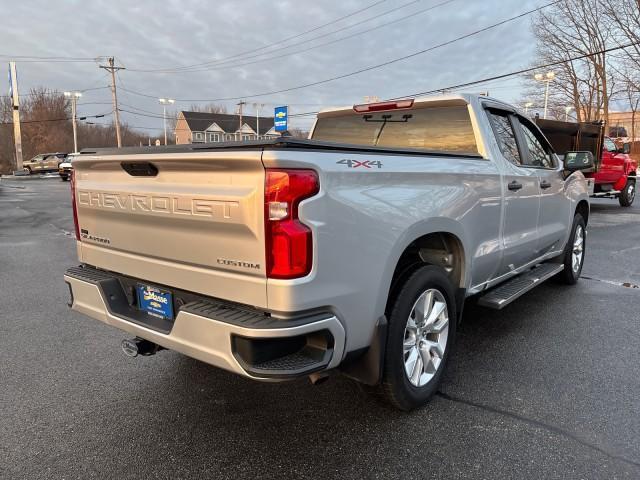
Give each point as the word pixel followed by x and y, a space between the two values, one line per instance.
pixel 350 252
pixel 44 162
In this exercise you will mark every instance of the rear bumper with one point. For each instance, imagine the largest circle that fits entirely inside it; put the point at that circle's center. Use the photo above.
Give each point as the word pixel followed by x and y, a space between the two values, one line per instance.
pixel 246 342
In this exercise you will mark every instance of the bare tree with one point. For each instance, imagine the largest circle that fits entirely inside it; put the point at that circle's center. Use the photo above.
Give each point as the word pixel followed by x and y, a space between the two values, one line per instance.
pixel 569 29
pixel 208 108
pixel 46 127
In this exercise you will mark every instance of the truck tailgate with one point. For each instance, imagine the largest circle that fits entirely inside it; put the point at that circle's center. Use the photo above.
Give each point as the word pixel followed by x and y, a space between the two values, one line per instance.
pixel 196 225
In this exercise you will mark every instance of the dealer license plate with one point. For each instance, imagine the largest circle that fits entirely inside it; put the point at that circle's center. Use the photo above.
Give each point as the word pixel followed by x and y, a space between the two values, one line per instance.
pixel 155 301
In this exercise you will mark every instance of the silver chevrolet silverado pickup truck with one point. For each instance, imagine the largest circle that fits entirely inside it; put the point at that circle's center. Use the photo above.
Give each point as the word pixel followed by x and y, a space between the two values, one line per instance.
pixel 352 252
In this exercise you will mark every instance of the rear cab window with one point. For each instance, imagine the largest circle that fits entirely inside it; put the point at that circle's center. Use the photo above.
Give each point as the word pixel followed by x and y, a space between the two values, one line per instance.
pixel 434 128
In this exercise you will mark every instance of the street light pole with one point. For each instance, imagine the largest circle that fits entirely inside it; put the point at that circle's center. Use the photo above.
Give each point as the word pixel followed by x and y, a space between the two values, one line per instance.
pixel 165 102
pixel 567 109
pixel 547 78
pixel 258 106
pixel 74 96
pixel 527 106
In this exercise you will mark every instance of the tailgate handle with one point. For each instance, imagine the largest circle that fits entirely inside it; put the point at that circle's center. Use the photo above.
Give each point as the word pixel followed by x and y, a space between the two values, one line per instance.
pixel 140 169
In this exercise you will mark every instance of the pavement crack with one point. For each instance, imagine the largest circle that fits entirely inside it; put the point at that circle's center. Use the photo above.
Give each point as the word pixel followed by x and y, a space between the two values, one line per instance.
pixel 64 232
pixel 537 423
pixel 611 282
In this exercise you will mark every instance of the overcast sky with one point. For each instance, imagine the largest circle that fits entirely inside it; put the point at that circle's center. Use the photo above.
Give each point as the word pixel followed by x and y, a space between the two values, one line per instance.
pixel 150 34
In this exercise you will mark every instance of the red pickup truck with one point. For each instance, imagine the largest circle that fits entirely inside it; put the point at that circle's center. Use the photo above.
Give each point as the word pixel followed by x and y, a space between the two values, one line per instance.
pixel 615 172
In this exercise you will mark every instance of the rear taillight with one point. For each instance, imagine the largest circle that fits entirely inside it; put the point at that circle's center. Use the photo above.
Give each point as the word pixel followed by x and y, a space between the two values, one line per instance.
pixel 289 244
pixel 72 183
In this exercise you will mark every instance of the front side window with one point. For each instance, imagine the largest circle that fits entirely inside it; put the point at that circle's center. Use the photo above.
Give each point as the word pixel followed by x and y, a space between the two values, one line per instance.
pixel 539 155
pixel 505 136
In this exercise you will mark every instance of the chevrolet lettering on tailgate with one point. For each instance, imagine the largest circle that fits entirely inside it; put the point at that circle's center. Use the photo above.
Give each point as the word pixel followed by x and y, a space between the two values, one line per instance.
pixel 176 205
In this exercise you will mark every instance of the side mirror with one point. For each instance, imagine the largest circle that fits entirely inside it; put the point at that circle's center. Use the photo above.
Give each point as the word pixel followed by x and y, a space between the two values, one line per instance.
pixel 583 161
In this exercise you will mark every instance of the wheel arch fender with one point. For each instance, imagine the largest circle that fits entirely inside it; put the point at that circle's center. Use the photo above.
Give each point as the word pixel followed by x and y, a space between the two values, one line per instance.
pixel 424 228
pixel 577 192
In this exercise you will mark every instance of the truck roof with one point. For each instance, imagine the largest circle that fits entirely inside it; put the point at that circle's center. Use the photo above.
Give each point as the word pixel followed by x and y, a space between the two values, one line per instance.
pixel 448 98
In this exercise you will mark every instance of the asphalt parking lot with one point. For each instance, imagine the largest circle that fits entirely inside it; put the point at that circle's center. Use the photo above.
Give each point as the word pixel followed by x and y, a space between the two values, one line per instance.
pixel 547 388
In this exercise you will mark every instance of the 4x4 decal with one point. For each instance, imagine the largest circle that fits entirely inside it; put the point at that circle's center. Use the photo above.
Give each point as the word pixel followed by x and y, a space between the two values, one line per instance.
pixel 357 163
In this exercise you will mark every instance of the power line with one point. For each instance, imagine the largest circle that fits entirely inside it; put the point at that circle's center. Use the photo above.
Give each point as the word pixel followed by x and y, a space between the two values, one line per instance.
pixel 138 109
pixel 47 120
pixel 225 64
pixel 55 92
pixel 241 54
pixel 520 72
pixel 496 77
pixel 313 47
pixel 371 67
pixel 43 59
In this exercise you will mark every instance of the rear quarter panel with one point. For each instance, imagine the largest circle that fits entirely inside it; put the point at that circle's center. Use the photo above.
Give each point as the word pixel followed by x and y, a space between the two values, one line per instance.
pixel 364 218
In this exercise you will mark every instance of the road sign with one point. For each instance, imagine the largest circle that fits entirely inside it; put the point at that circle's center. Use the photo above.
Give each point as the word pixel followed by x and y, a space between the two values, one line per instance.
pixel 281 121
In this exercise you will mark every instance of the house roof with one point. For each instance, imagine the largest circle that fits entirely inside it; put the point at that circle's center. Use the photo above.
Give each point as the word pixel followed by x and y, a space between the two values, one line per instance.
pixel 200 121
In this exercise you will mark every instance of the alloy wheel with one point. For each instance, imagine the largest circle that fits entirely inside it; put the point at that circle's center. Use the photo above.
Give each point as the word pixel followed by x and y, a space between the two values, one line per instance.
pixel 425 337
pixel 578 249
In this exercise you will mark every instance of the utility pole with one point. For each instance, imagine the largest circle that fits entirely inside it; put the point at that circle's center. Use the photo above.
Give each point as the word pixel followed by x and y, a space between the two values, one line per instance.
pixel 113 69
pixel 258 106
pixel 15 102
pixel 74 99
pixel 240 104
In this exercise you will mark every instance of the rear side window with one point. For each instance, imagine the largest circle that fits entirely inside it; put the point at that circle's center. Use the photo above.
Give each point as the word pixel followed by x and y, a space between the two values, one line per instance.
pixel 440 129
pixel 505 136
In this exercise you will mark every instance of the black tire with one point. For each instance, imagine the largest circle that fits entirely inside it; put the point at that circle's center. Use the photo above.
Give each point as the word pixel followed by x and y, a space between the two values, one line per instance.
pixel 628 193
pixel 396 386
pixel 570 275
pixel 64 179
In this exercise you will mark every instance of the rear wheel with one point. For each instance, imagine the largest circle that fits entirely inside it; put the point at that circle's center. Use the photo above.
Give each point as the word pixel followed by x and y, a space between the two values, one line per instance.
pixel 422 326
pixel 27 170
pixel 573 257
pixel 628 193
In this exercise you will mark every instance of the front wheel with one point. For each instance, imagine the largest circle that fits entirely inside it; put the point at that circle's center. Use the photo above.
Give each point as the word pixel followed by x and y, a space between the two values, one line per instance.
pixel 628 193
pixel 422 327
pixel 573 257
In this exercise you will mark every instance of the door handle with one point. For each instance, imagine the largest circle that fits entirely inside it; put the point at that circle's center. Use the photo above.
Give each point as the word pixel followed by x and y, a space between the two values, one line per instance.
pixel 513 186
pixel 544 184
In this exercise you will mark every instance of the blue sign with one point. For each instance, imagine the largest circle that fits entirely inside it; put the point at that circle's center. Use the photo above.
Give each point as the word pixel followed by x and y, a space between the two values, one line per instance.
pixel 281 119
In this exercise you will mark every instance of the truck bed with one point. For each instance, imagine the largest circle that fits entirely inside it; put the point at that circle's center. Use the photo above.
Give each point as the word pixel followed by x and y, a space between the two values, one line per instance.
pixel 272 144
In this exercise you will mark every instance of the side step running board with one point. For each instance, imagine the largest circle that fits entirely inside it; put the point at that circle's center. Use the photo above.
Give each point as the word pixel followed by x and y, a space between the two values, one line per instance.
pixel 502 295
